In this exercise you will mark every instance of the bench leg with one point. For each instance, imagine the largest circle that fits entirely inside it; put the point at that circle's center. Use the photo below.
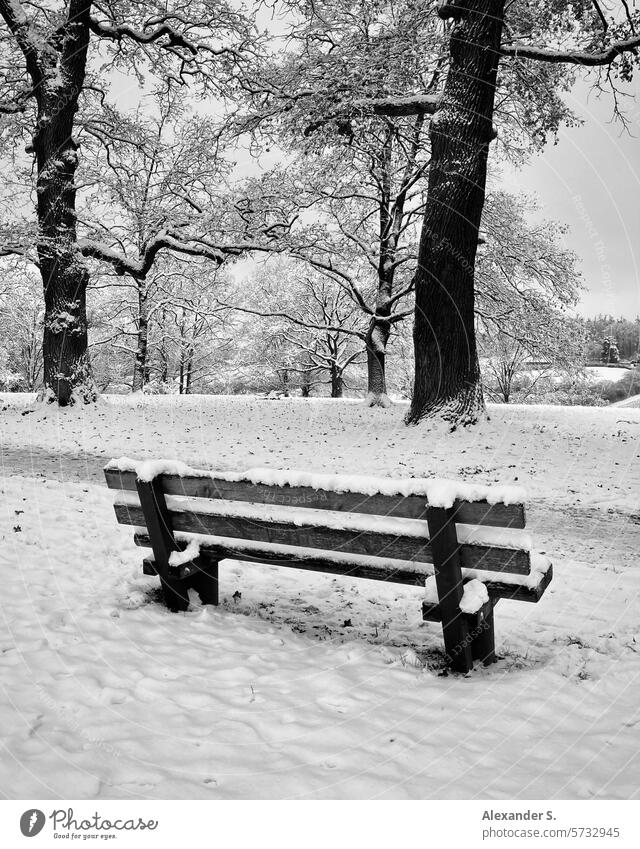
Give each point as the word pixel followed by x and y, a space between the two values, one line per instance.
pixel 175 593
pixel 205 582
pixel 158 519
pixel 483 646
pixel 444 548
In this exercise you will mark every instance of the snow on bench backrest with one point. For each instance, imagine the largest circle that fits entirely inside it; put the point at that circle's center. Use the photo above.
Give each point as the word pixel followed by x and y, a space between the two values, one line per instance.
pixel 494 506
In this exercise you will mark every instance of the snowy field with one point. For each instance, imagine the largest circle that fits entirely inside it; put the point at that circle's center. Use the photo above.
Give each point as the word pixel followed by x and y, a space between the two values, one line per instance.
pixel 304 685
pixel 598 373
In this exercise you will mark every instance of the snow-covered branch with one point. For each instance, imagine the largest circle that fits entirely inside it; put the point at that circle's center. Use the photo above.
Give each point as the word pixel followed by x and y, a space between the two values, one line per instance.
pixel 586 58
pixel 139 267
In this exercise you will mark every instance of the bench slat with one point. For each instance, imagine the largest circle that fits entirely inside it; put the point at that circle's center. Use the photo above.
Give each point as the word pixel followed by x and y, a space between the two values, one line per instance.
pixel 309 564
pixel 400 507
pixel 371 543
pixel 374 572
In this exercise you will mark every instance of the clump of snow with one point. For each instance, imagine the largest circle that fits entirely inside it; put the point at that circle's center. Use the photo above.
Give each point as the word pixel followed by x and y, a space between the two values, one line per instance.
pixel 431 590
pixel 191 552
pixel 147 470
pixel 474 595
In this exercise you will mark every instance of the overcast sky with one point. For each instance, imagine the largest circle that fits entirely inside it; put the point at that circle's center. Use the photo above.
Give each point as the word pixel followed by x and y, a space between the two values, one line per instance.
pixel 591 181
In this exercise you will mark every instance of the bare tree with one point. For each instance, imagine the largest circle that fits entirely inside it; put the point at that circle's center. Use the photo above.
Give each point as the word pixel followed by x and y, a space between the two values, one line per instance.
pixel 50 85
pixel 312 325
pixel 21 319
pixel 447 379
pixel 519 106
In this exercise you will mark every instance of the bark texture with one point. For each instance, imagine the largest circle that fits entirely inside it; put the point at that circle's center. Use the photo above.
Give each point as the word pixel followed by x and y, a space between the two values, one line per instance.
pixel 376 342
pixel 337 381
pixel 447 374
pixel 60 72
pixel 141 372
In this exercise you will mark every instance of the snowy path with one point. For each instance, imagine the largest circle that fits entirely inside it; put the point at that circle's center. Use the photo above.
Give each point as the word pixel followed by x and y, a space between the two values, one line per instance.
pixel 307 685
pixel 556 527
pixel 60 466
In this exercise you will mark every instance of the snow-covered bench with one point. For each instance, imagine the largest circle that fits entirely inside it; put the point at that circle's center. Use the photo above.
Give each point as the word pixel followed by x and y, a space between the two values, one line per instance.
pixel 464 542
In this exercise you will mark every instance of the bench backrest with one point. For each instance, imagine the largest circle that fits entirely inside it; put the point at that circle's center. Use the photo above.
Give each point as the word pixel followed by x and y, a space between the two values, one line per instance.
pixel 385 520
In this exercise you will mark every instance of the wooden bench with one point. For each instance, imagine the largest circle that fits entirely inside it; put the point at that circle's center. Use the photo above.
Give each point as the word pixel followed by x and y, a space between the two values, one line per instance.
pixel 404 531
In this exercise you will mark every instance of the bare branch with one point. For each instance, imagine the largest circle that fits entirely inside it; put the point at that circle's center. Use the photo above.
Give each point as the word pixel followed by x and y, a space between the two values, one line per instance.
pixel 396 107
pixel 306 324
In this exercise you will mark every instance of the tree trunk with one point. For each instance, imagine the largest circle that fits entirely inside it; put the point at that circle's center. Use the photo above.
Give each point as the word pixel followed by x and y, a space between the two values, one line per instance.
pixel 164 366
pixel 284 380
pixel 141 365
pixel 376 342
pixel 163 353
pixel 67 371
pixel 447 372
pixel 187 389
pixel 64 276
pixel 337 383
pixel 181 380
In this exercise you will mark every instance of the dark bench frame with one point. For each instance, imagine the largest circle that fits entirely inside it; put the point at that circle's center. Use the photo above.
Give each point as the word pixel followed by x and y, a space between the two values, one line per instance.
pixel 467 637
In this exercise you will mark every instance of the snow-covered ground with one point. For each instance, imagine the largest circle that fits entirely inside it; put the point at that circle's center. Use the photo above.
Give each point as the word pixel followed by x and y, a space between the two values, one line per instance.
pixel 598 373
pixel 633 401
pixel 305 685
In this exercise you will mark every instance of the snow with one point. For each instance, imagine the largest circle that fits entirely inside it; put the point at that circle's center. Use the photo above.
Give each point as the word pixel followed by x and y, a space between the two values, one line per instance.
pixel 431 590
pixel 438 493
pixel 540 564
pixel 600 373
pixel 474 596
pixel 191 552
pixel 585 455
pixel 147 470
pixel 106 694
pixel 375 400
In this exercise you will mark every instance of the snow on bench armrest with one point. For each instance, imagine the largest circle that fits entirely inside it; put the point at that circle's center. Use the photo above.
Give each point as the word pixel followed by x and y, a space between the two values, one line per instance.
pixel 474 594
pixel 540 565
pixel 180 558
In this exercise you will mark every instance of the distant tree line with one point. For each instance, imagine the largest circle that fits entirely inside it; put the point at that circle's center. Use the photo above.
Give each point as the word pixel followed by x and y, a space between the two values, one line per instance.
pixel 622 332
